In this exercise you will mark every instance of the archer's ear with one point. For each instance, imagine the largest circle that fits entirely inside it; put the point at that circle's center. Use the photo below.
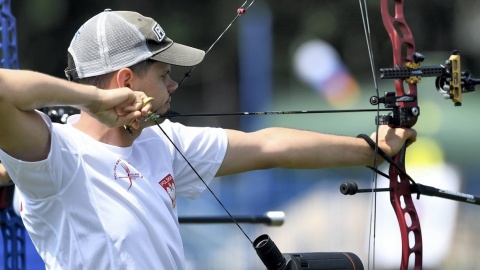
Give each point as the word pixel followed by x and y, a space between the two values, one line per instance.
pixel 124 78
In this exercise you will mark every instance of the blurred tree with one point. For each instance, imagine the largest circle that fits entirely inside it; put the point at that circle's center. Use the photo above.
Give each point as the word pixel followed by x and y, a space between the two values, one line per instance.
pixel 45 29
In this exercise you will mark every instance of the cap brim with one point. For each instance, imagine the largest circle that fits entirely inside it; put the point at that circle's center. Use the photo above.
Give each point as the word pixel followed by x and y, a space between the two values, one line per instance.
pixel 180 55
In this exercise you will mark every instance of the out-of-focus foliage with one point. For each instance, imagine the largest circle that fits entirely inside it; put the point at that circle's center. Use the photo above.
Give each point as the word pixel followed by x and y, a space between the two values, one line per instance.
pixel 46 27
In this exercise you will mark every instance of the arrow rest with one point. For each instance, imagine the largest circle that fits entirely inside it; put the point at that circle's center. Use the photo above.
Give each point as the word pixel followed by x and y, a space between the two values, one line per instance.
pixel 400 116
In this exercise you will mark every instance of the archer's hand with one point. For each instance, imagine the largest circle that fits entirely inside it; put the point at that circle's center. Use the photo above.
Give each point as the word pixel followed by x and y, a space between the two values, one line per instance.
pixel 120 107
pixel 391 140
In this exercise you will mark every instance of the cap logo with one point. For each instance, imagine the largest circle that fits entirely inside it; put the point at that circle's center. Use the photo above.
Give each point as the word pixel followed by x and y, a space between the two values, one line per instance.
pixel 158 32
pixel 79 31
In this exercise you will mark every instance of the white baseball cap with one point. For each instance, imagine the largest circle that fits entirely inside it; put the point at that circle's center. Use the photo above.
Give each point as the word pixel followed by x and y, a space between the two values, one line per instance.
pixel 113 40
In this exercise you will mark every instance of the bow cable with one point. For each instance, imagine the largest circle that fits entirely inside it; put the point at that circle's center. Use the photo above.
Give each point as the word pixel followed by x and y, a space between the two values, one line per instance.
pixel 203 181
pixel 154 116
pixel 240 11
pixel 373 213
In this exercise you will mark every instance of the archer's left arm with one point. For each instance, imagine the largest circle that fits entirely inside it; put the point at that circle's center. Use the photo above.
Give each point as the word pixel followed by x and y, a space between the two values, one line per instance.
pixel 300 149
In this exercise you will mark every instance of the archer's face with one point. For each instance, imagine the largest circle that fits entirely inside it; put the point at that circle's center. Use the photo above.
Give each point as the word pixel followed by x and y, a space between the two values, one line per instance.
pixel 158 84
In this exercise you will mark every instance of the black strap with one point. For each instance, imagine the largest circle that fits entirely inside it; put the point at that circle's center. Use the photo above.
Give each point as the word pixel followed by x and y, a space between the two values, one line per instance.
pixel 386 157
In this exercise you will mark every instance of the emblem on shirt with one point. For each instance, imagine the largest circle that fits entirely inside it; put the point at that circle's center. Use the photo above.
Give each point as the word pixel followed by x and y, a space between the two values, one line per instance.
pixel 123 169
pixel 169 185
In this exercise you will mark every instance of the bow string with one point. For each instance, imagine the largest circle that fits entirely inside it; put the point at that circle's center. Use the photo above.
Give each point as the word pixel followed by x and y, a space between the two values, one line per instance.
pixel 405 112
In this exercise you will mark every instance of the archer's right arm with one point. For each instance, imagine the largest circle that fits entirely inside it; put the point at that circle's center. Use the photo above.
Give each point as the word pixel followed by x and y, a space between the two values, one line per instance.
pixel 25 135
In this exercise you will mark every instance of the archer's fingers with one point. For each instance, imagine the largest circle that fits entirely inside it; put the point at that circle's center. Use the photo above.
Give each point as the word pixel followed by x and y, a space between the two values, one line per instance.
pixel 409 134
pixel 139 112
pixel 147 105
pixel 412 136
pixel 130 119
pixel 141 103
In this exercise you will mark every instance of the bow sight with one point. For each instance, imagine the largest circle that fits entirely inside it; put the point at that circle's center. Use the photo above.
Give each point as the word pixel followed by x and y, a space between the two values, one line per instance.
pixel 450 81
pixel 454 82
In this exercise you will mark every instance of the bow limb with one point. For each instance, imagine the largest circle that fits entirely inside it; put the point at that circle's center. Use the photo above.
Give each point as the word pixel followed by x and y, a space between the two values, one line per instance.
pixel 405 115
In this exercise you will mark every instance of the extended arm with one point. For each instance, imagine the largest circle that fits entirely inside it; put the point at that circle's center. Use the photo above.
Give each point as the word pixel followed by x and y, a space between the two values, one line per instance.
pixel 299 149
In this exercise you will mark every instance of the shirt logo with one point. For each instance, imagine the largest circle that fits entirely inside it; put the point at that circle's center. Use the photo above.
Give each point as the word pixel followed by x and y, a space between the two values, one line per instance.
pixel 169 185
pixel 122 170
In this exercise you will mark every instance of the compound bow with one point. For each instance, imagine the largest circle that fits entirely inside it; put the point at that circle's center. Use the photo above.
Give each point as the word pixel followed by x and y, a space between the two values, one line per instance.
pixel 450 81
pixel 405 114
